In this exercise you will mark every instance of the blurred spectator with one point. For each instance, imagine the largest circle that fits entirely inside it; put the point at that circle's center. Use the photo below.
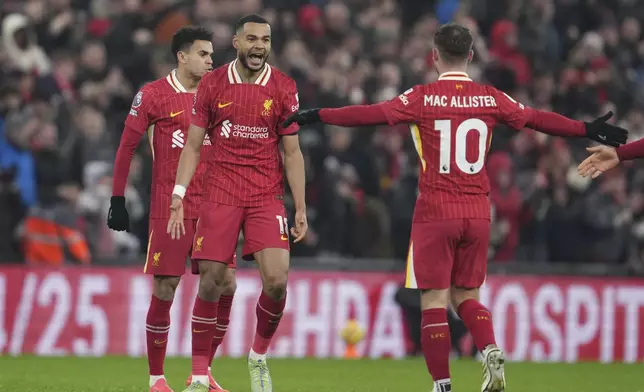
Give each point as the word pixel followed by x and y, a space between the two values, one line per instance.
pixel 21 47
pixel 506 199
pixel 68 70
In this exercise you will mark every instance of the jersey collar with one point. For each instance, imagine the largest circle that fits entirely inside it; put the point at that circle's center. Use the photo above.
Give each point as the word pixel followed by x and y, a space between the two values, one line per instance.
pixel 235 78
pixel 174 82
pixel 461 76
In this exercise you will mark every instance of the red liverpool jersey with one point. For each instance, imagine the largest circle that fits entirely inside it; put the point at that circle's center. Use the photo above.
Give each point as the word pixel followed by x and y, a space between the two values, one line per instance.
pixel 451 122
pixel 163 109
pixel 244 122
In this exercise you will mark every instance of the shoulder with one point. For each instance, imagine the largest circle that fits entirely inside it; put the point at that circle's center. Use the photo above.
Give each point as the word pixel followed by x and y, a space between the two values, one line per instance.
pixel 413 93
pixel 156 86
pixel 149 93
pixel 151 89
pixel 215 77
pixel 489 89
pixel 281 80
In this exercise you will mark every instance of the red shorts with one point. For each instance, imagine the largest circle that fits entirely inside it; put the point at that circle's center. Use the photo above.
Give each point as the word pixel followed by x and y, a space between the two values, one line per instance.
pixel 167 257
pixel 219 225
pixel 445 253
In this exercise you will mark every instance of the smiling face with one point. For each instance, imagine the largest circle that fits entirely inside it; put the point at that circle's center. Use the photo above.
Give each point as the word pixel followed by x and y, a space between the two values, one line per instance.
pixel 253 44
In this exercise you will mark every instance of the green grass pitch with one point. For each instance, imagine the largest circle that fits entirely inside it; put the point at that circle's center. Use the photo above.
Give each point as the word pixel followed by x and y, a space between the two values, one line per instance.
pixel 119 374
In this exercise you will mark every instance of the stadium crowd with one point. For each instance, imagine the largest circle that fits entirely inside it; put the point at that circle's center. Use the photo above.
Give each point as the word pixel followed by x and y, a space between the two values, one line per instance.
pixel 70 68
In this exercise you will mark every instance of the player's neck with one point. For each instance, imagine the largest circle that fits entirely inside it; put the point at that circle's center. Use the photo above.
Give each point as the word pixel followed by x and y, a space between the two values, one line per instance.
pixel 186 80
pixel 453 69
pixel 247 75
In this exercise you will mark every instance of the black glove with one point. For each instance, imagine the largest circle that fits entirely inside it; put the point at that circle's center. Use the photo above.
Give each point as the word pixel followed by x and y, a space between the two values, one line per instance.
pixel 118 218
pixel 303 117
pixel 604 133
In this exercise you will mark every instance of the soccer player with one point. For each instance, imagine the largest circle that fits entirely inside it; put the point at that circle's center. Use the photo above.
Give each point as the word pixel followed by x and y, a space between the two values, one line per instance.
pixel 604 158
pixel 241 107
pixel 451 122
pixel 163 109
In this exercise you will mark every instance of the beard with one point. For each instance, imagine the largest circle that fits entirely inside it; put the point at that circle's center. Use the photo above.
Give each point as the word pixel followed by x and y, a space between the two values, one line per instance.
pixel 243 58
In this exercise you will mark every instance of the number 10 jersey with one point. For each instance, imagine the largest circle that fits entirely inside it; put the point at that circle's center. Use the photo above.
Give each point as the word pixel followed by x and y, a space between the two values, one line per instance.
pixel 451 122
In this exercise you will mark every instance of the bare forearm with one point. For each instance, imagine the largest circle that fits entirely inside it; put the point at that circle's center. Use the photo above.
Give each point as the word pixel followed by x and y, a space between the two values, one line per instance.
pixel 187 166
pixel 190 155
pixel 294 166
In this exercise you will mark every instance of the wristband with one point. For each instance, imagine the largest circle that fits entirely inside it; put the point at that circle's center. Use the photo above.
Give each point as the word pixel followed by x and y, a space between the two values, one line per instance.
pixel 179 190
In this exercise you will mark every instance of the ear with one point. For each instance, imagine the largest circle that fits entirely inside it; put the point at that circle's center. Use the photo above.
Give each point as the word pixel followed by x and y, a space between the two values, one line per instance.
pixel 235 43
pixel 470 57
pixel 181 57
pixel 435 55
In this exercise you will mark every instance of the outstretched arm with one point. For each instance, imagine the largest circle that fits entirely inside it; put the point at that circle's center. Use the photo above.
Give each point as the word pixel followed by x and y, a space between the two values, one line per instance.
pixel 554 124
pixel 405 108
pixel 604 158
pixel 518 116
pixel 631 151
pixel 355 116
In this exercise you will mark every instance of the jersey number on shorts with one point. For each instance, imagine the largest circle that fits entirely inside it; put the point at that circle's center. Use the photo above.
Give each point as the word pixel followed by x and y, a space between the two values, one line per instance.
pixel 444 127
pixel 283 224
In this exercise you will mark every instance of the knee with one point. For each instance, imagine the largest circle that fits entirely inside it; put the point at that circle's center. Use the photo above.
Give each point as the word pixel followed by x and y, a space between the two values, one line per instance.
pixel 459 295
pixel 230 284
pixel 431 299
pixel 212 280
pixel 275 285
pixel 164 287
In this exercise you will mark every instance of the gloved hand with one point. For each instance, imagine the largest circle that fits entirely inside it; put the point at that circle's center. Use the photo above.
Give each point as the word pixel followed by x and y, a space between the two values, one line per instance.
pixel 118 218
pixel 601 131
pixel 303 117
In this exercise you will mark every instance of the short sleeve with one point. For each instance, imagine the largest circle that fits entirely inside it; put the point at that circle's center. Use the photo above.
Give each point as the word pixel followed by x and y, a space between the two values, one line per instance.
pixel 202 105
pixel 511 112
pixel 143 110
pixel 290 105
pixel 406 107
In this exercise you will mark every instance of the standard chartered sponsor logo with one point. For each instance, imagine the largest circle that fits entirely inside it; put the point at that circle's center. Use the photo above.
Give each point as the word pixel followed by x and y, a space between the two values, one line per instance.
pixel 178 139
pixel 243 131
pixel 225 129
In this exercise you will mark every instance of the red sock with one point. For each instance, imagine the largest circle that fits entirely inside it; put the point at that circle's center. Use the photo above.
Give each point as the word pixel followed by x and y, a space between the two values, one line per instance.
pixel 204 319
pixel 269 313
pixel 223 318
pixel 478 320
pixel 157 326
pixel 436 343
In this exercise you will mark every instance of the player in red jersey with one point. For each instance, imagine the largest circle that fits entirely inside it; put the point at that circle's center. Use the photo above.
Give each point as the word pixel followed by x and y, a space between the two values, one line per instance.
pixel 451 122
pixel 163 109
pixel 241 107
pixel 604 158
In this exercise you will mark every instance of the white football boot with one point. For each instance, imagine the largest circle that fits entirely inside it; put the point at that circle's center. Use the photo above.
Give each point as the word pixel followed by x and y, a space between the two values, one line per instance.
pixel 493 370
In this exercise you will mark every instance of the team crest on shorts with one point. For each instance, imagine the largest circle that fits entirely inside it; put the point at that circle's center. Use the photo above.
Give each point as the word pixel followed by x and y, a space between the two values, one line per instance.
pixel 198 244
pixel 155 259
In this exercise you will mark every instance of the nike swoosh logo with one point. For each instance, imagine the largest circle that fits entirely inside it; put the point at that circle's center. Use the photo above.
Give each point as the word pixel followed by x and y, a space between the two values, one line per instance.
pixel 284 238
pixel 199 330
pixel 223 105
pixel 175 114
pixel 160 341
